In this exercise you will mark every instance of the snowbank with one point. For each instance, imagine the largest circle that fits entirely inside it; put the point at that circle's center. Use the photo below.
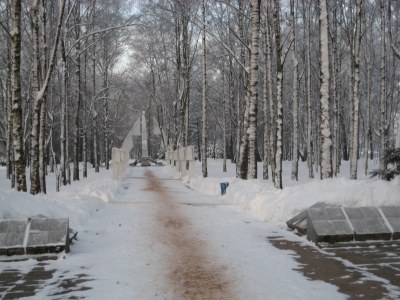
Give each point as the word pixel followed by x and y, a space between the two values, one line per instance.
pixel 77 201
pixel 277 206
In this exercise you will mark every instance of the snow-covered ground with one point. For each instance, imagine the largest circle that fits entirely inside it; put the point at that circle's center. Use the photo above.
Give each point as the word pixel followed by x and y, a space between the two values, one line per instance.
pixel 277 206
pixel 118 245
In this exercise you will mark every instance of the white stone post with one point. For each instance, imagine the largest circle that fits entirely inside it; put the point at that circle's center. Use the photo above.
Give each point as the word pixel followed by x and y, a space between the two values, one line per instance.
pixel 115 162
pixel 182 164
pixel 190 158
pixel 176 160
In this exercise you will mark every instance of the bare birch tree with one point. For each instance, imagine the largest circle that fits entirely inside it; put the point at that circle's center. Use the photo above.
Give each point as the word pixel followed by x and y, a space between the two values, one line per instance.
pixel 383 126
pixel 253 88
pixel 335 94
pixel 279 106
pixel 295 113
pixel 268 110
pixel 39 88
pixel 326 141
pixel 78 97
pixel 18 146
pixel 204 135
pixel 356 93
pixel 310 149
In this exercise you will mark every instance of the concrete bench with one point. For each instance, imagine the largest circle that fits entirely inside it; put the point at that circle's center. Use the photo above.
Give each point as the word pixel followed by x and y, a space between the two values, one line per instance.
pixel 34 236
pixel 329 223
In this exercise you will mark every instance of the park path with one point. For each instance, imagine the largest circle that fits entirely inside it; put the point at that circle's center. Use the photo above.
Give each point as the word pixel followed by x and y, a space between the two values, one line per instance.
pixel 157 239
pixel 193 274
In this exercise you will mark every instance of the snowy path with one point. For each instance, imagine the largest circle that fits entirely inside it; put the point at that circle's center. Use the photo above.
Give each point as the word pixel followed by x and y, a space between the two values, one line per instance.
pixel 153 237
pixel 161 240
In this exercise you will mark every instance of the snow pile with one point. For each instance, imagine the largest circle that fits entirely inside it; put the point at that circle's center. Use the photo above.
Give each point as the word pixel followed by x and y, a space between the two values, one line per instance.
pixel 277 206
pixel 77 201
pixel 259 197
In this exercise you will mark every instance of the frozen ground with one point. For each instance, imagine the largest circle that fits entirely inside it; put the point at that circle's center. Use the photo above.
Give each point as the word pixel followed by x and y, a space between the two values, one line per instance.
pixel 129 232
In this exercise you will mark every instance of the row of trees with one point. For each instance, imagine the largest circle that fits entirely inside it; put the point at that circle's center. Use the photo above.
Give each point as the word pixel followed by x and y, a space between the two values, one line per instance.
pixel 59 92
pixel 281 80
pixel 261 80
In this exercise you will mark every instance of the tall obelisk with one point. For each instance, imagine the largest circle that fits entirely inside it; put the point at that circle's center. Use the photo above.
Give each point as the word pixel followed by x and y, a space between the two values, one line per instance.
pixel 145 152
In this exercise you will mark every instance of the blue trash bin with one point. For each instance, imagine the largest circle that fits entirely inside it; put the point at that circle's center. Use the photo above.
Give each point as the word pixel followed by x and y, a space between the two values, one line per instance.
pixel 224 186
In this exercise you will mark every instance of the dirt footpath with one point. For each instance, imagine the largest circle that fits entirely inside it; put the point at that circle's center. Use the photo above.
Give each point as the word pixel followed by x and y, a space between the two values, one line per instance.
pixel 193 273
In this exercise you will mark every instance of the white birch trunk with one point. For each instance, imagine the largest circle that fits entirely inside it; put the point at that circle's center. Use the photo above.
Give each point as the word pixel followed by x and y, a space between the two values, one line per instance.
pixel 10 174
pixel 326 142
pixel 39 90
pixel 67 158
pixel 231 112
pixel 267 79
pixel 271 123
pixel 224 120
pixel 356 94
pixel 42 118
pixel 184 92
pixel 42 146
pixel 95 131
pixel 244 144
pixel 239 104
pixel 382 131
pixel 295 161
pixel 335 92
pixel 367 137
pixel 204 134
pixel 96 143
pixel 85 123
pixel 309 112
pixel 279 106
pixel 78 93
pixel 16 109
pixel 36 104
pixel 106 136
pixel 64 96
pixel 254 58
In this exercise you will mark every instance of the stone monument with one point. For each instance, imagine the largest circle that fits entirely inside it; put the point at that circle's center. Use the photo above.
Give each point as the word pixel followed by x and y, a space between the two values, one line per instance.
pixel 145 152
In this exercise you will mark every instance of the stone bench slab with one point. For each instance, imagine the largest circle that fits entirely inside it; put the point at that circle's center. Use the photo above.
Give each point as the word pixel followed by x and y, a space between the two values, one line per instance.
pixel 299 221
pixel 328 225
pixel 34 236
pixel 368 223
pixel 392 215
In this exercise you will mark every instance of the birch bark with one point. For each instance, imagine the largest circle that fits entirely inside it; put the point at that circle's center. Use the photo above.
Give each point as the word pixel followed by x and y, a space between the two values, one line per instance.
pixel 254 57
pixel 204 135
pixel 325 132
pixel 267 87
pixel 356 94
pixel 367 138
pixel 39 88
pixel 335 92
pixel 63 138
pixel 310 151
pixel 10 173
pixel 279 105
pixel 382 131
pixel 78 92
pixel 241 170
pixel 295 133
pixel 16 110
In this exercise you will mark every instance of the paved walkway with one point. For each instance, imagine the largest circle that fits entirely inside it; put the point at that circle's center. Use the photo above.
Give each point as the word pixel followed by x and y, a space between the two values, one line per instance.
pixel 361 271
pixel 17 284
pixel 195 269
pixel 193 274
